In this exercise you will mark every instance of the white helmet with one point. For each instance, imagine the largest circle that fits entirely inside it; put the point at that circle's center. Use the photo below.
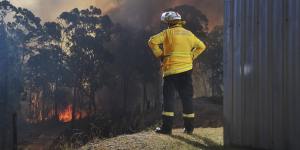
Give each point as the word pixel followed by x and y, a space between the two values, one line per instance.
pixel 170 16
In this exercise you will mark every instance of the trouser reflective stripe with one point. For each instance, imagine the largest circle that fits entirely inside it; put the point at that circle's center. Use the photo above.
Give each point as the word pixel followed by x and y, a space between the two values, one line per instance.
pixel 189 115
pixel 169 114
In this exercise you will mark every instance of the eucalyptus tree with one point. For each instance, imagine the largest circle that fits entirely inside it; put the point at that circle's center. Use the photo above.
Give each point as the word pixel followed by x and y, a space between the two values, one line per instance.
pixel 85 33
pixel 47 69
pixel 19 29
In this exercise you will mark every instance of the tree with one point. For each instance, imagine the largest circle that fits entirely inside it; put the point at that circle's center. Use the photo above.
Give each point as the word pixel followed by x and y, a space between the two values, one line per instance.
pixel 85 33
pixel 21 29
pixel 3 85
pixel 18 28
pixel 213 59
pixel 46 69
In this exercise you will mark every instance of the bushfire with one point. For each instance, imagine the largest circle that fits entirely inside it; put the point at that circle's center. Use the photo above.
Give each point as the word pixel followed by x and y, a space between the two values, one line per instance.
pixel 66 114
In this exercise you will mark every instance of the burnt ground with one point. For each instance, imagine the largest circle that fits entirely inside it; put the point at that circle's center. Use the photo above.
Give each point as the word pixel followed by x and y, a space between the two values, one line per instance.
pixel 209 113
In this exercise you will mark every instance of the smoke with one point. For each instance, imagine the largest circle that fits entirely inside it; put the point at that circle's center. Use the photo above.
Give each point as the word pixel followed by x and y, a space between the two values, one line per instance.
pixel 213 9
pixel 139 13
pixel 135 13
pixel 49 10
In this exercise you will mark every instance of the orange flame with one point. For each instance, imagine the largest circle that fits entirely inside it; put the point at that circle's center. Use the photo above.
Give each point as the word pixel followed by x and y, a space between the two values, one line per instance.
pixel 66 115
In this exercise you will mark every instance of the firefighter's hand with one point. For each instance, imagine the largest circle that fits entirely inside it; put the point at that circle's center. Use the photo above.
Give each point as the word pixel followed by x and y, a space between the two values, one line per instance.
pixel 163 57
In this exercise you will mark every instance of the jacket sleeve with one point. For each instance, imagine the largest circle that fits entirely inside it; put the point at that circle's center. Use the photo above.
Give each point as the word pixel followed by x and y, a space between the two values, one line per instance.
pixel 199 47
pixel 154 43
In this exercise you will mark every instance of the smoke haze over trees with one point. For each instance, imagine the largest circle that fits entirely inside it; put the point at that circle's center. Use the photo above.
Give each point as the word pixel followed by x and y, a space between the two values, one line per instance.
pixel 85 69
pixel 133 12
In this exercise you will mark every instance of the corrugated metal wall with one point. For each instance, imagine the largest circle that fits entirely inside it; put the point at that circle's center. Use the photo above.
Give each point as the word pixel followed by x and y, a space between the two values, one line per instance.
pixel 262 73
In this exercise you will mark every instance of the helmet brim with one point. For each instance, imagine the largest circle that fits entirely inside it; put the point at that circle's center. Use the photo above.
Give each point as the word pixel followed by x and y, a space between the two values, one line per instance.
pixel 177 21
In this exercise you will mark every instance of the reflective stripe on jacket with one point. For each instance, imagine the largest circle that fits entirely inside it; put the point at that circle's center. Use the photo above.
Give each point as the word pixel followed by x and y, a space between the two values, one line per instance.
pixel 180 48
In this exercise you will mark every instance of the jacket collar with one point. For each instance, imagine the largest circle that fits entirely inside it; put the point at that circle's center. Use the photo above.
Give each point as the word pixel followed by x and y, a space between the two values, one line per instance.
pixel 174 26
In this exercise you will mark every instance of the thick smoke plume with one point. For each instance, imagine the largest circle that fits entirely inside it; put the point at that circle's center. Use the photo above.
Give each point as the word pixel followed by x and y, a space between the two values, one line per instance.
pixel 141 13
pixel 136 13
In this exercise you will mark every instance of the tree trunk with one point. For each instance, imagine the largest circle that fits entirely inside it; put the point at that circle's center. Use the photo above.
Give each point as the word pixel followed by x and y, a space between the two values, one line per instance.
pixel 145 101
pixel 54 98
pixel 204 85
pixel 43 110
pixel 30 104
pixel 15 131
pixel 212 83
pixel 75 97
pixel 90 106
pixel 124 93
pixel 56 110
pixel 4 111
pixel 93 101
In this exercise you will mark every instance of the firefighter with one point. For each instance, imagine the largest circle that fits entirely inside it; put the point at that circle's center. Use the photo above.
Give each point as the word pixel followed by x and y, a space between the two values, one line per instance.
pixel 180 48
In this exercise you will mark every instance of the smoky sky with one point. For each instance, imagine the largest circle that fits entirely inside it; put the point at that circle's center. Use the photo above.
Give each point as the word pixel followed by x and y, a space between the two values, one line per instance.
pixel 136 13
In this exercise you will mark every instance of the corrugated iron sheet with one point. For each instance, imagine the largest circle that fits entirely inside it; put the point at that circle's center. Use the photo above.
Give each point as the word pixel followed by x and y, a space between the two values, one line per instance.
pixel 261 73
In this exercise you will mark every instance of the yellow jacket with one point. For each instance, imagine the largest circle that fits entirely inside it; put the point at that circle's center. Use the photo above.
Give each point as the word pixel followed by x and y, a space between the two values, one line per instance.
pixel 180 48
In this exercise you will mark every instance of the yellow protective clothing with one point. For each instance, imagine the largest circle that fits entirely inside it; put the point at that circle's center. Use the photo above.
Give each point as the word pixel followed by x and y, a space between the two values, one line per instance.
pixel 180 48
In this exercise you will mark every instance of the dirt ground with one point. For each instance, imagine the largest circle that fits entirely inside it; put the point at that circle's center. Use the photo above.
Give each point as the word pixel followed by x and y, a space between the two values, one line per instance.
pixel 38 137
pixel 207 135
pixel 203 138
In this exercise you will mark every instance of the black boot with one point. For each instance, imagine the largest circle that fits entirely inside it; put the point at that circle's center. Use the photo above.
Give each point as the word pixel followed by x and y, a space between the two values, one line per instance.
pixel 188 125
pixel 166 127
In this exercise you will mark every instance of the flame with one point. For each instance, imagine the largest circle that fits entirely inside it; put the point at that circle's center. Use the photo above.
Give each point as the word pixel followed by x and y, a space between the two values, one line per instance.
pixel 66 115
pixel 81 115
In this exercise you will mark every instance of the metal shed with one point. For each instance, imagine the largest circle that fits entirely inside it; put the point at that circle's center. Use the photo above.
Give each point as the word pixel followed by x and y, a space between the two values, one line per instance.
pixel 262 74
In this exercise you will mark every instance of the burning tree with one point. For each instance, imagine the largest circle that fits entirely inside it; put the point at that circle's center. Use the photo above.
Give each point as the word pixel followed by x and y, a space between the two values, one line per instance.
pixel 46 70
pixel 85 32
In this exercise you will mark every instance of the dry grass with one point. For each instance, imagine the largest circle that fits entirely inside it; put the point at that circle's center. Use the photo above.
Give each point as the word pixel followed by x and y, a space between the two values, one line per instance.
pixel 203 138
